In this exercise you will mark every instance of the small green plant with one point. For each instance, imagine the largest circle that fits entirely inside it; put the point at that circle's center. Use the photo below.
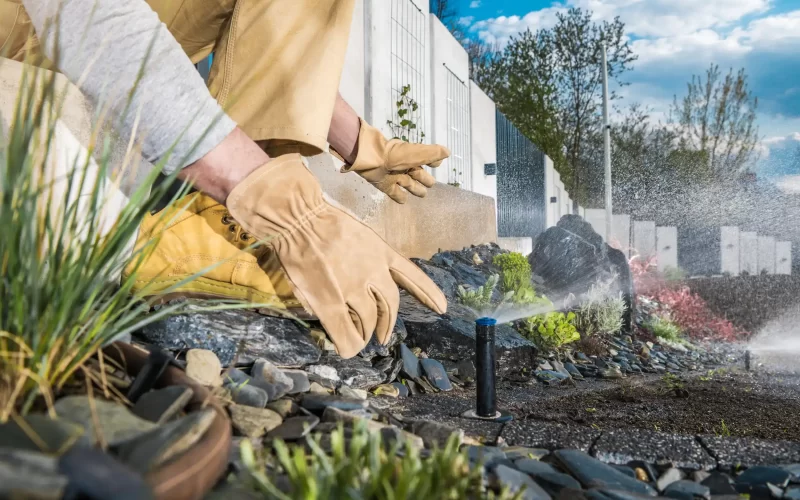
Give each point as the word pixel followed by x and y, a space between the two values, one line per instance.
pixel 600 311
pixel 551 330
pixel 663 328
pixel 515 271
pixel 363 468
pixel 480 298
pixel 404 126
pixel 672 383
pixel 674 274
pixel 455 182
pixel 724 430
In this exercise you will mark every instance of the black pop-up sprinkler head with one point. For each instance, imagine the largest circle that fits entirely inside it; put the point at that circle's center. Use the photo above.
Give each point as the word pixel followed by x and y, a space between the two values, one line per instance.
pixel 484 366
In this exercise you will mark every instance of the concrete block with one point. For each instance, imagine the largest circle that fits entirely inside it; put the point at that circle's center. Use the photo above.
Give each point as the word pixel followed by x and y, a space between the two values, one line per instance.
pixel 519 245
pixel 748 252
pixel 484 141
pixel 666 247
pixel 644 239
pixel 766 254
pixel 730 250
pixel 620 228
pixel 783 257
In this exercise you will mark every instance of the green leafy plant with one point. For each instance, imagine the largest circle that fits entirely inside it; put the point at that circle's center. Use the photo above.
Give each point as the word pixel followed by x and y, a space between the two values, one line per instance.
pixel 724 430
pixel 551 330
pixel 480 298
pixel 674 274
pixel 363 467
pixel 600 311
pixel 663 328
pixel 404 126
pixel 515 271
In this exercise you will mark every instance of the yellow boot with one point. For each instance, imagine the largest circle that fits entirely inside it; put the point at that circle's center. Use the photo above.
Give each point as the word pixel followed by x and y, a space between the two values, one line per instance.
pixel 187 244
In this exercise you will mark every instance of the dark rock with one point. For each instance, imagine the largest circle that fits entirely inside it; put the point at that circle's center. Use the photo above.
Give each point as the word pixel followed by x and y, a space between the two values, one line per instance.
pixel 249 395
pixel 754 481
pixel 94 475
pixel 625 284
pixel 522 453
pixel 394 372
pixel 612 494
pixel 374 348
pixel 484 454
pixel 318 403
pixel 687 490
pixel 554 482
pixel 27 474
pixel 162 405
pixel 325 375
pixel 410 368
pixel 443 279
pixel 300 382
pixel 593 473
pixel 58 435
pixel 549 435
pixel 792 493
pixel 402 389
pixel 267 376
pixel 356 372
pixel 279 340
pixel 435 433
pixel 534 467
pixel 294 428
pixel 383 365
pixel 577 225
pixel 625 470
pixel 517 481
pixel 466 369
pixel 573 371
pixel 435 374
pixel 623 446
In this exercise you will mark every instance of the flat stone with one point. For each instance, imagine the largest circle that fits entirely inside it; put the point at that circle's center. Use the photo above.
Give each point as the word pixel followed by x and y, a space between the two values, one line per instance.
pixel 94 475
pixel 436 374
pixel 391 435
pixel 573 371
pixel 265 372
pixel 687 490
pixel 410 368
pixel 116 423
pixel 436 434
pixel 522 452
pixel 792 493
pixel 249 395
pixel 612 494
pixel 294 428
pixel 156 447
pixel 699 476
pixel 27 474
pixel 559 367
pixel 253 422
pixel 593 473
pixel 349 392
pixel 284 407
pixel 534 467
pixel 375 348
pixel 485 454
pixel 745 452
pixel 300 382
pixel 517 481
pixel 319 402
pixel 555 482
pixel 719 484
pixel 204 367
pixel 668 477
pixel 383 365
pixel 402 389
pixel 58 435
pixel 622 446
pixel 355 372
pixel 549 435
pixel 162 405
pixel 279 340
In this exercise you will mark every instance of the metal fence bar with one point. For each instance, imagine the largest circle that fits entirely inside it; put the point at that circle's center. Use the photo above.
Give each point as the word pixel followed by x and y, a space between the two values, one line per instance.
pixel 458 131
pixel 408 60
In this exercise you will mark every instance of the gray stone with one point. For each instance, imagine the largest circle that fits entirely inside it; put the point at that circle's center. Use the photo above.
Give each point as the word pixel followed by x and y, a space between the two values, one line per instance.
pixel 699 476
pixel 410 367
pixel 383 365
pixel 394 372
pixel 792 493
pixel 150 450
pixel 687 490
pixel 27 474
pixel 319 402
pixel 746 452
pixel 436 374
pixel 253 422
pixel 443 279
pixel 300 382
pixel 719 484
pixel 612 494
pixel 204 367
pixel 349 392
pixel 279 340
pixel 522 452
pixel 265 374
pixel 162 405
pixel 58 435
pixel 316 388
pixel 549 435
pixel 249 395
pixel 573 371
pixel 355 372
pixel 402 389
pixel 621 446
pixel 555 482
pixel 484 454
pixel 294 428
pixel 374 348
pixel 465 369
pixel 116 423
pixel 559 367
pixel 517 481
pixel 668 477
pixel 593 473
pixel 284 407
pixel 533 467
pixel 94 475
pixel 435 433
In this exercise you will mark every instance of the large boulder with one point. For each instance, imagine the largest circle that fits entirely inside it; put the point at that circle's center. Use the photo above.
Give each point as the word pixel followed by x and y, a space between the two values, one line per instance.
pixel 625 285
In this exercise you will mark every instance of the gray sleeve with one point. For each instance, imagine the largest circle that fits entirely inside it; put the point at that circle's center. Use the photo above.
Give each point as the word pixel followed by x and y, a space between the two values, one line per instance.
pixel 124 59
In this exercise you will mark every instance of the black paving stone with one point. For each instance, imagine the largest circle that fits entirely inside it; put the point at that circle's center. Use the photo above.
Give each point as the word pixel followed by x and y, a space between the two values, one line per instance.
pixel 731 452
pixel 549 435
pixel 622 446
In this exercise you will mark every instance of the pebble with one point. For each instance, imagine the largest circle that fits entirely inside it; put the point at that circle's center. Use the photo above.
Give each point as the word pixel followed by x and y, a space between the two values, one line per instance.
pixel 349 392
pixel 687 490
pixel 402 389
pixel 594 473
pixel 294 428
pixel 668 477
pixel 249 395
pixel 204 367
pixel 284 407
pixel 154 448
pixel 58 435
pixel 699 476
pixel 117 423
pixel 325 372
pixel 411 368
pixel 265 373
pixel 300 382
pixel 253 422
pixel 319 402
pixel 27 474
pixel 94 475
pixel 435 434
pixel 162 405
pixel 641 474
pixel 516 481
pixel 719 484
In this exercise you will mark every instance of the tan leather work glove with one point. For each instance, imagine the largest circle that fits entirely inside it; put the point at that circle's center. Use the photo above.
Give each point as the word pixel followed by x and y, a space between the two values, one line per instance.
pixel 394 166
pixel 338 267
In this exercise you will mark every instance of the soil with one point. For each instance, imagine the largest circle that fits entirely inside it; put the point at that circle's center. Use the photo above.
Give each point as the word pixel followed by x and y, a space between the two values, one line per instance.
pixel 721 402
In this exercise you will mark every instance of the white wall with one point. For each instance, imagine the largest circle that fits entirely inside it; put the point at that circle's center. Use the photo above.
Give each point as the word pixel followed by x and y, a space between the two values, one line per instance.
pixel 484 141
pixel 766 254
pixel 666 247
pixel 447 55
pixel 729 241
pixel 644 238
pixel 620 227
pixel 748 252
pixel 783 257
pixel 549 192
pixel 519 245
pixel 354 71
pixel 560 193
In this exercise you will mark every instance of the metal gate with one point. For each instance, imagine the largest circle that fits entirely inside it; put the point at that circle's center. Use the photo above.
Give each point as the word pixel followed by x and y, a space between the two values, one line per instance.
pixel 520 183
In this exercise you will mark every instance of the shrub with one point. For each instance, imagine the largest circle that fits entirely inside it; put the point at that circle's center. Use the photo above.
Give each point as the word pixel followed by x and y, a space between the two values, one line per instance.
pixel 674 274
pixel 551 330
pixel 662 327
pixel 690 312
pixel 480 298
pixel 365 468
pixel 601 311
pixel 515 271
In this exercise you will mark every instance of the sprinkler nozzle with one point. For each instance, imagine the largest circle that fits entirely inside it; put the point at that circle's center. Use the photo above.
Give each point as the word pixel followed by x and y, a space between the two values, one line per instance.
pixel 484 366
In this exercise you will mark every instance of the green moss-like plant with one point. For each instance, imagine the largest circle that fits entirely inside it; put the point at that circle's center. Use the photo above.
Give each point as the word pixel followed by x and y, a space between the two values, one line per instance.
pixel 480 298
pixel 664 328
pixel 363 468
pixel 551 330
pixel 515 271
pixel 600 311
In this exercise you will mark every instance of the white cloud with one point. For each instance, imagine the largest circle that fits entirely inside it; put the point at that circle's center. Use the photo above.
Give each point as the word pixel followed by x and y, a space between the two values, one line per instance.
pixel 773 32
pixel 703 45
pixel 474 4
pixel 500 29
pixel 466 20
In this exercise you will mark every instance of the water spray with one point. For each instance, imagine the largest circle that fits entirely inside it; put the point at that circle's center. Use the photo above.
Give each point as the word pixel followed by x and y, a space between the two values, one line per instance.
pixel 486 407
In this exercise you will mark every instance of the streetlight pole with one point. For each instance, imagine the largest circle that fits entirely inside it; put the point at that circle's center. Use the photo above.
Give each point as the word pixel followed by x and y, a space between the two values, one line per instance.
pixel 607 147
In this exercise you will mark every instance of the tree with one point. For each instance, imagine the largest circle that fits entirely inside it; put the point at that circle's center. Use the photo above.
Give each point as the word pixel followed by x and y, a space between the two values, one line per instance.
pixel 447 12
pixel 717 117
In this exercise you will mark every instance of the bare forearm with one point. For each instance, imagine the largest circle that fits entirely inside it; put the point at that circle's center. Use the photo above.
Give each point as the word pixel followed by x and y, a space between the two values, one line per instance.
pixel 343 134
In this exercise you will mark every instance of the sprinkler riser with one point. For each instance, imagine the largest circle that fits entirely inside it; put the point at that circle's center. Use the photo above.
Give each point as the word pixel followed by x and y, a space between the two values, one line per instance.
pixel 485 367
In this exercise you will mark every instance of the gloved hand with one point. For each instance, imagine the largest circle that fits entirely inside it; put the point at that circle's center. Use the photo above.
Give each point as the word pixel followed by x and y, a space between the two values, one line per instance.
pixel 338 267
pixel 395 166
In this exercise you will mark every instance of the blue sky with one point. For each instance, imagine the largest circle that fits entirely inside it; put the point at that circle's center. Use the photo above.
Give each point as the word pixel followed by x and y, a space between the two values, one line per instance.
pixel 677 38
